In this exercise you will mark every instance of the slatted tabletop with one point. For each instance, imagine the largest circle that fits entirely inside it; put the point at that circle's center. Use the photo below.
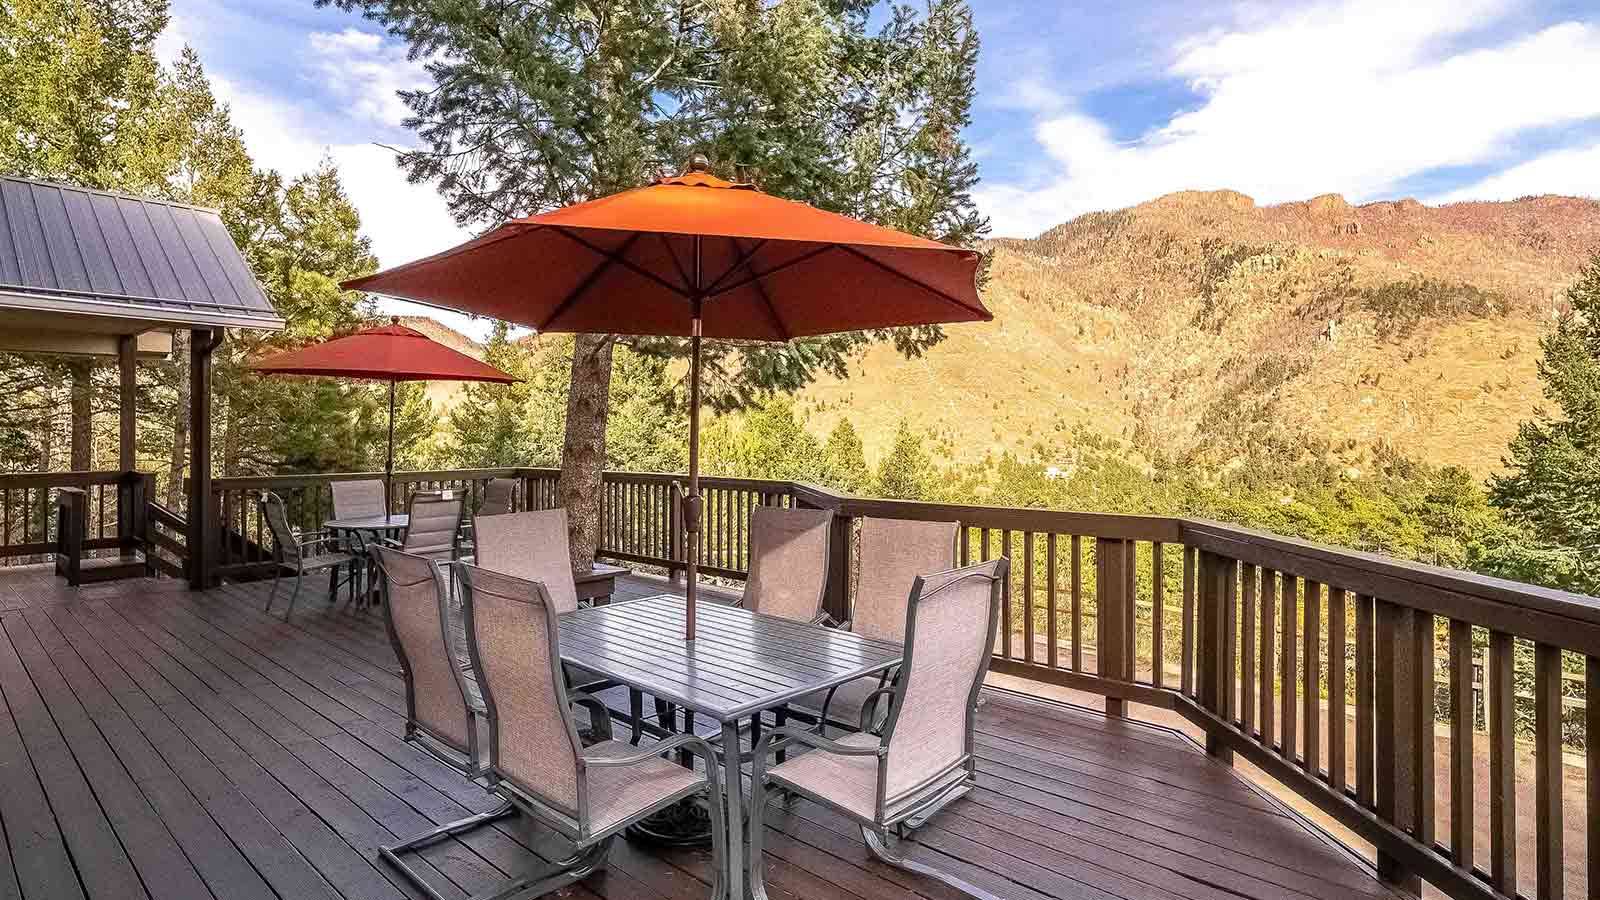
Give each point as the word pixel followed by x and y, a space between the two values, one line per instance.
pixel 740 663
pixel 369 523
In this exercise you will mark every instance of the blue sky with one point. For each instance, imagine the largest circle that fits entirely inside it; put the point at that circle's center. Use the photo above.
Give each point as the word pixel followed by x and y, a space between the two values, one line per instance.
pixel 1081 105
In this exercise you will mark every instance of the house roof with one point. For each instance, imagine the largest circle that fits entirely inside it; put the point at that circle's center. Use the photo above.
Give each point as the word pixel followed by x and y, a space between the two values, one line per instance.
pixel 114 262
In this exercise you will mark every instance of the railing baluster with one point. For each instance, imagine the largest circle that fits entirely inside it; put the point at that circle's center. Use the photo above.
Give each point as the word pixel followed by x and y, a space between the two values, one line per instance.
pixel 1549 825
pixel 1365 713
pixel 1336 689
pixel 1289 666
pixel 1077 603
pixel 1187 635
pixel 1502 764
pixel 1247 653
pixel 1268 603
pixel 1311 655
pixel 1158 593
pixel 1423 671
pixel 1007 613
pixel 1052 656
pixel 1461 728
pixel 1396 735
pixel 1027 596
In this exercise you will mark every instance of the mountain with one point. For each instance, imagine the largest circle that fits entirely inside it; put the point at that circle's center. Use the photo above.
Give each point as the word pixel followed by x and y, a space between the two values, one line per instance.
pixel 1199 325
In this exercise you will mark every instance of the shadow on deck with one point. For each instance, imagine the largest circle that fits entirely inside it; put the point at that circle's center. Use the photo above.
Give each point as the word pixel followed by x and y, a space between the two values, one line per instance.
pixel 155 742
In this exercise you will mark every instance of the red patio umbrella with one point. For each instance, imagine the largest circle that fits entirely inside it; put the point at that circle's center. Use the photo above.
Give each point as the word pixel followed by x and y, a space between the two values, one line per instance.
pixel 695 256
pixel 392 353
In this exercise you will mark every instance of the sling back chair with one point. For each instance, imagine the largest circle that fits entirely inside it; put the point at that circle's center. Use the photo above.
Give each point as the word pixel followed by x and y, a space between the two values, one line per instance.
pixel 788 563
pixel 304 553
pixel 433 526
pixel 499 499
pixel 535 762
pixel 924 758
pixel 893 552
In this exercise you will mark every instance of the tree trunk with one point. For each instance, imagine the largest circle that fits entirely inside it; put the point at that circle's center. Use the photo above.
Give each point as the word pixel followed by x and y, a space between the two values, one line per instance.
pixel 583 452
pixel 180 420
pixel 82 415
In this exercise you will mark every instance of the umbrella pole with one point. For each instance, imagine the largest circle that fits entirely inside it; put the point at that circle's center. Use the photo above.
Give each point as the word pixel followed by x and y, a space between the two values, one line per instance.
pixel 691 512
pixel 388 466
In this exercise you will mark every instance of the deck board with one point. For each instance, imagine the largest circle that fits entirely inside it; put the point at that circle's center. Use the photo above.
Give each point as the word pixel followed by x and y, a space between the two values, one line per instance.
pixel 165 743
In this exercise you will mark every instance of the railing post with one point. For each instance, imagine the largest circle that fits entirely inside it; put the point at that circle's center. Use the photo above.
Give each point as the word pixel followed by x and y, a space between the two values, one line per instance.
pixel 72 518
pixel 1217 584
pixel 1113 596
pixel 836 597
pixel 1397 733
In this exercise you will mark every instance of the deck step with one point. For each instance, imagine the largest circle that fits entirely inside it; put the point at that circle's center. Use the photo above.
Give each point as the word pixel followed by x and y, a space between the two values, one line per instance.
pixel 112 568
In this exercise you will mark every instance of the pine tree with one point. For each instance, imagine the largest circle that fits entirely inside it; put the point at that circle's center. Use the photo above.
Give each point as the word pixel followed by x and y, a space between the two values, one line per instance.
pixel 855 107
pixel 1552 479
pixel 488 427
pixel 907 472
pixel 844 461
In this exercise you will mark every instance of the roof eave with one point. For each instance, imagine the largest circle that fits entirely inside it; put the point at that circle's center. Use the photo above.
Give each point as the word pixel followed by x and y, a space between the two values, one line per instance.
pixel 140 312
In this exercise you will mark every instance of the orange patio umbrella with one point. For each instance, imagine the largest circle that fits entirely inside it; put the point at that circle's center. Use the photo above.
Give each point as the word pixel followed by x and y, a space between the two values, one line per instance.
pixel 392 353
pixel 698 257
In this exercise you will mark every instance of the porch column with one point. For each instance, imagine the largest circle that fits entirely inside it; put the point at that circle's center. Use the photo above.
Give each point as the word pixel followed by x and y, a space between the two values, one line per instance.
pixel 202 524
pixel 126 345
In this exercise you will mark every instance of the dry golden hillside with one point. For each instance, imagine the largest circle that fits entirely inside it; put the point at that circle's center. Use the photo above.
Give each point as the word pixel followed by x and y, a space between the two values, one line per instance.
pixel 1199 323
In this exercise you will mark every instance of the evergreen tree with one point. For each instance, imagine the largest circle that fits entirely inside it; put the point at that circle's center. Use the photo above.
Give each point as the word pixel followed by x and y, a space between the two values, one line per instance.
pixel 1552 479
pixel 844 460
pixel 855 106
pixel 907 471
pixel 488 426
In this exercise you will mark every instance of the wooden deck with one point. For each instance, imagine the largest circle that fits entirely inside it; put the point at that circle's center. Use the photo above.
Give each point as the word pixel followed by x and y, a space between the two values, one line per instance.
pixel 159 743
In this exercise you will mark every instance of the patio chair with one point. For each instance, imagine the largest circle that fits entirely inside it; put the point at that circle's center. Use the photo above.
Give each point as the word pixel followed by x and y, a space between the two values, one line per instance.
pixel 587 794
pixel 893 552
pixel 788 563
pixel 305 553
pixel 443 703
pixel 357 499
pixel 923 759
pixel 434 525
pixel 533 546
pixel 499 497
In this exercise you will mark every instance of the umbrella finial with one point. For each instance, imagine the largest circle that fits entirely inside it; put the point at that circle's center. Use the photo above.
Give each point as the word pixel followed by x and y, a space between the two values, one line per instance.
pixel 698 163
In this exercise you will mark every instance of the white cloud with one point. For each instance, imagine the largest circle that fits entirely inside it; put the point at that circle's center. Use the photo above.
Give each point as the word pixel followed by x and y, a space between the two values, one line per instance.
pixel 1574 172
pixel 1349 97
pixel 363 72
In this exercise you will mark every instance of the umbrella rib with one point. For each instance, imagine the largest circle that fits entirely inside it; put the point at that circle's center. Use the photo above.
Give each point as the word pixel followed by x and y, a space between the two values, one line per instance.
pixel 676 264
pixel 742 262
pixel 754 276
pixel 613 257
pixel 772 311
pixel 584 285
pixel 983 314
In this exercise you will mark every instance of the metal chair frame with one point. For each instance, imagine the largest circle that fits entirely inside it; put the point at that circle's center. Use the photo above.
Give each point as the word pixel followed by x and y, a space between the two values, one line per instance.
pixel 921 801
pixel 590 846
pixel 338 559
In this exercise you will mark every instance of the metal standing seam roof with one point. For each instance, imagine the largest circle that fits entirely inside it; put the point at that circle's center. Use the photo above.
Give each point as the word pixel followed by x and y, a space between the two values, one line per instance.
pixel 76 250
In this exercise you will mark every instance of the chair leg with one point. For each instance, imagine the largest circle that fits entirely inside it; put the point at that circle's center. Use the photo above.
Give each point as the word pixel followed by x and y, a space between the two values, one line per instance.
pixel 755 881
pixel 580 865
pixel 299 582
pixel 333 585
pixel 878 843
pixel 636 714
pixel 272 595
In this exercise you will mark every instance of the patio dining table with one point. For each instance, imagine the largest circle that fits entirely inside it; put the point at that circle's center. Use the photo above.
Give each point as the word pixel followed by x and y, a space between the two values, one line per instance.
pixel 365 533
pixel 740 664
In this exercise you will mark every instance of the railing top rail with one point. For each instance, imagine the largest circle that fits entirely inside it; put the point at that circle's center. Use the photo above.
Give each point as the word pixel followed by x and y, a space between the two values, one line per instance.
pixel 1108 525
pixel 248 481
pixel 1362 568
pixel 63 479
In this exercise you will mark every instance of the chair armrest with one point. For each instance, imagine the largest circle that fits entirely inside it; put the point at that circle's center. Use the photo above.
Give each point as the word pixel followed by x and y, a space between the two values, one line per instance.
pixel 599 713
pixel 869 705
pixel 690 742
pixel 789 734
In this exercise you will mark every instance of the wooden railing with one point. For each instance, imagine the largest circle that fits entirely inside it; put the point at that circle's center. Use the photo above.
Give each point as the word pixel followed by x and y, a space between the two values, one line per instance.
pixel 113 501
pixel 1348 677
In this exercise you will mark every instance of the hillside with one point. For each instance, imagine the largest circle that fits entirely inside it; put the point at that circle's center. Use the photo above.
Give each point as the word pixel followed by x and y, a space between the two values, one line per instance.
pixel 1199 324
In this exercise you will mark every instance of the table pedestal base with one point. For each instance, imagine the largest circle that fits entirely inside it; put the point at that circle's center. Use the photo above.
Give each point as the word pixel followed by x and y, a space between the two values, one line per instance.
pixel 683 824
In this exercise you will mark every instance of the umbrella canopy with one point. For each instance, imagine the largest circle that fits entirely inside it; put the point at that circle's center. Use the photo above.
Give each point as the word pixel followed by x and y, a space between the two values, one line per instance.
pixel 696 256
pixel 391 353
pixel 640 262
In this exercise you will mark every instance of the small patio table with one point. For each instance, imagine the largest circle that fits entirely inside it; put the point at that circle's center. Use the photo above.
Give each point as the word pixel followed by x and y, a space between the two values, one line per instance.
pixel 739 665
pixel 358 527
